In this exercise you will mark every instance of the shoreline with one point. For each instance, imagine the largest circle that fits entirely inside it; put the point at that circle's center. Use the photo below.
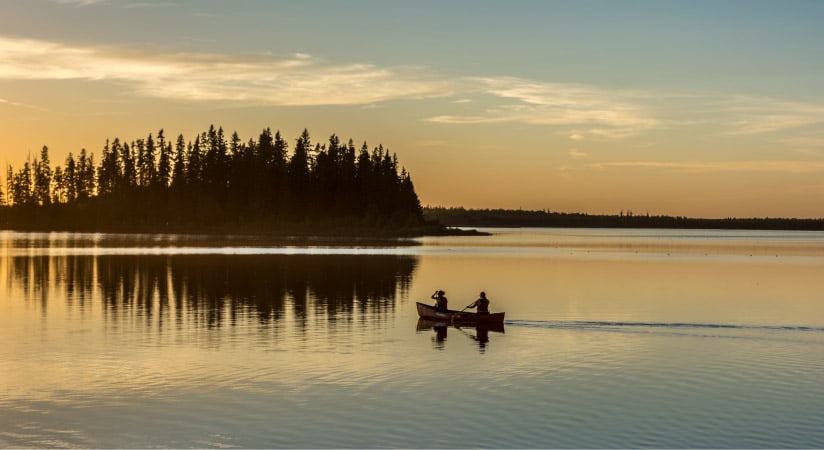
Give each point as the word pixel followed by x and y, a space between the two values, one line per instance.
pixel 291 234
pixel 503 218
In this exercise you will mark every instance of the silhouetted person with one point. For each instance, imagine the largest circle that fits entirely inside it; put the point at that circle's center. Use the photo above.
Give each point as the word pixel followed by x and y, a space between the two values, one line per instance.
pixel 440 300
pixel 481 303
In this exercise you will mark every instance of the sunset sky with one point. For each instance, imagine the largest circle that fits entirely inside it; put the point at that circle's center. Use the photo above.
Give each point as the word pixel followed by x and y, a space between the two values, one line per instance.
pixel 697 108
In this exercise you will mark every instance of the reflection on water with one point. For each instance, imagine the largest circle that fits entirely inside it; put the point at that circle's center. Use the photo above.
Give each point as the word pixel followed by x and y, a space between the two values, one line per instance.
pixel 15 242
pixel 614 339
pixel 478 332
pixel 641 243
pixel 214 290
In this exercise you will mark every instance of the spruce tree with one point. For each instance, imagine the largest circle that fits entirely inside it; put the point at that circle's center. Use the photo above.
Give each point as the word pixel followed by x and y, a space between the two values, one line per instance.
pixel 164 165
pixel 42 178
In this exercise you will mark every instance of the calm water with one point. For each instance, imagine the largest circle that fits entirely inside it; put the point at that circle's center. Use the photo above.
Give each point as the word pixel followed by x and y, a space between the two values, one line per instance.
pixel 613 338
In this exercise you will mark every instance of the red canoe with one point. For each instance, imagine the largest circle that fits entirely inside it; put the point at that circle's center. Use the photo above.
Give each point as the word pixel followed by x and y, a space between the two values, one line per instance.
pixel 431 313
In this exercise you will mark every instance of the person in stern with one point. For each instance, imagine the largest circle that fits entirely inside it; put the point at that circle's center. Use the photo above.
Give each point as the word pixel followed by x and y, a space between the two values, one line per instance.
pixel 481 303
pixel 440 300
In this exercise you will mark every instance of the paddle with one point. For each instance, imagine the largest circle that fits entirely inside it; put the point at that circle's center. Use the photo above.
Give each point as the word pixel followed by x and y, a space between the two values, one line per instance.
pixel 453 317
pixel 474 338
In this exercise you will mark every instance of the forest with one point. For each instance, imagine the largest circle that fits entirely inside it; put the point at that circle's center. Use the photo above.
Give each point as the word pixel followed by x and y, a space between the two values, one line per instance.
pixel 461 217
pixel 215 183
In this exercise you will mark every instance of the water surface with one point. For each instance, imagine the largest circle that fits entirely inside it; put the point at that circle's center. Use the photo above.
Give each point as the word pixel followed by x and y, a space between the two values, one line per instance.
pixel 613 338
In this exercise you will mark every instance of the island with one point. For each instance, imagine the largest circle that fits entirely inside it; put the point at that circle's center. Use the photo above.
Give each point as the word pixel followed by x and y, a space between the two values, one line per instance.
pixel 219 184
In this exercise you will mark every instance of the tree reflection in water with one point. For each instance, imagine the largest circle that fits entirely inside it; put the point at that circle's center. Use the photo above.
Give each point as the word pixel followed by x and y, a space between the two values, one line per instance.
pixel 217 290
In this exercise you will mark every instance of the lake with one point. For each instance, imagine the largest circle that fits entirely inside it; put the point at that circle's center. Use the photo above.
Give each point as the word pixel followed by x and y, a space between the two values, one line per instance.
pixel 612 338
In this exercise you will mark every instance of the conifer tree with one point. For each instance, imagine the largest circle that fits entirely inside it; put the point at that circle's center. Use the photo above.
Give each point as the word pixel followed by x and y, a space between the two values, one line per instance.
pixel 139 147
pixel 58 186
pixel 70 179
pixel 164 165
pixel 179 170
pixel 129 170
pixel 42 178
pixel 298 170
pixel 86 187
pixel 149 168
pixel 195 166
pixel 21 189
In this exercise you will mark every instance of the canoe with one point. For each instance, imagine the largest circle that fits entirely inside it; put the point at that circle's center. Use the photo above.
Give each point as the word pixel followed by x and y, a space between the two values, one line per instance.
pixel 460 317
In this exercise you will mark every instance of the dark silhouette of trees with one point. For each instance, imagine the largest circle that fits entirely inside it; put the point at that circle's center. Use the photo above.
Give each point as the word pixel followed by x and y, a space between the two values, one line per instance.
pixel 164 165
pixel 21 189
pixel 179 169
pixel 85 181
pixel 42 178
pixel 148 173
pixel 298 170
pixel 215 183
pixel 461 217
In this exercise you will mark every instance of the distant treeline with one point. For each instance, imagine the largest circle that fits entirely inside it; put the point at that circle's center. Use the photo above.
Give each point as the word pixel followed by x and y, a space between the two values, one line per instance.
pixel 215 183
pixel 460 217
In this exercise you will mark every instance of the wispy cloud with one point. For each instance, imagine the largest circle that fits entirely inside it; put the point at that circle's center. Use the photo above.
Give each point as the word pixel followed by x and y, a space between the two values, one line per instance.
pixel 574 153
pixel 594 112
pixel 599 112
pixel 718 166
pixel 81 2
pixel 125 4
pixel 254 79
pixel 3 101
pixel 580 112
pixel 760 115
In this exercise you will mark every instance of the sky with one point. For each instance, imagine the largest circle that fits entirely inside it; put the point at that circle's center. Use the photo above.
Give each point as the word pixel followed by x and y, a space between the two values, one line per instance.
pixel 693 108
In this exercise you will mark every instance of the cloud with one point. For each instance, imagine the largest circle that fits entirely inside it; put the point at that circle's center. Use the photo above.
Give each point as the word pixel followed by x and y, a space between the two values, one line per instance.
pixel 574 153
pixel 81 2
pixel 599 112
pixel 592 112
pixel 253 79
pixel 718 166
pixel 581 112
pixel 3 101
pixel 125 4
pixel 761 115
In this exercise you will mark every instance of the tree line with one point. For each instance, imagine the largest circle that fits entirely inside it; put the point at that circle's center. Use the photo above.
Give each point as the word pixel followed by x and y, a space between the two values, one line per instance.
pixel 462 217
pixel 214 181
